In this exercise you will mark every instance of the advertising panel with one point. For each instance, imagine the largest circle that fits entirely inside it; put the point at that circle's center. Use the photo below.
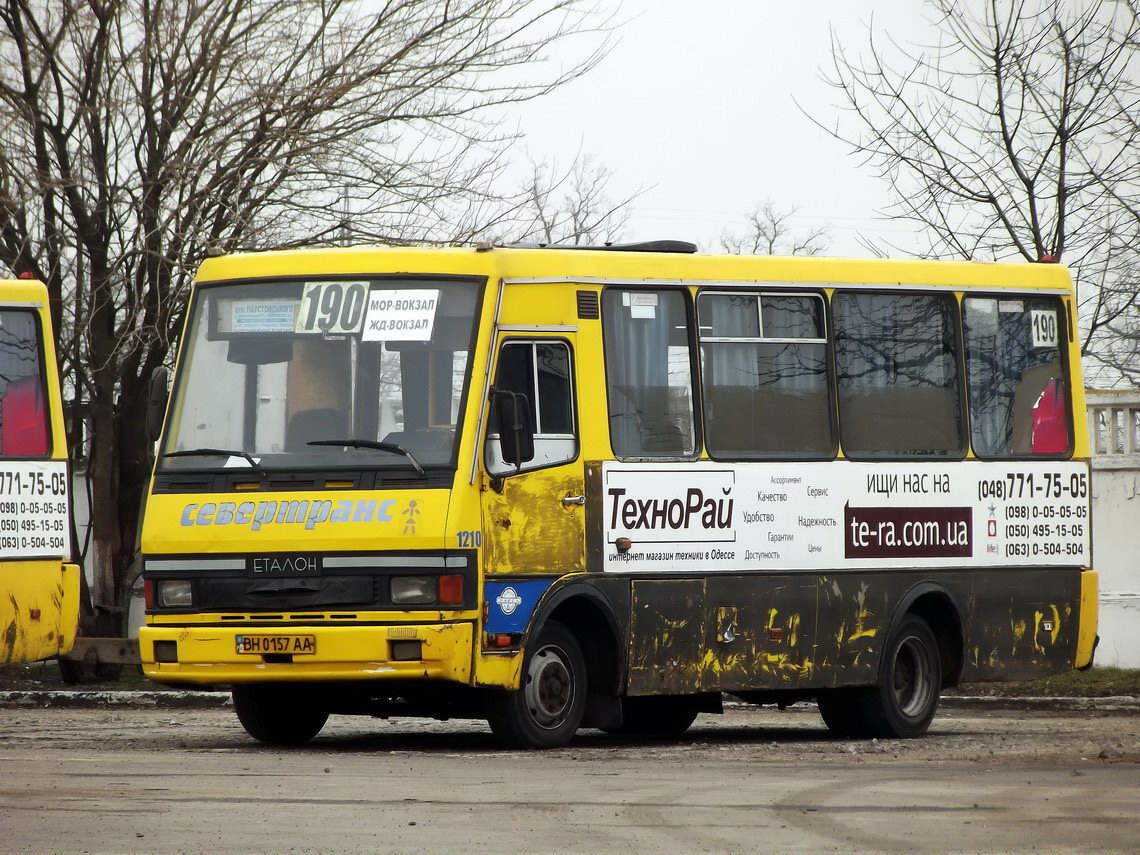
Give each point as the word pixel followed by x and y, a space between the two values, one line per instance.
pixel 34 509
pixel 826 516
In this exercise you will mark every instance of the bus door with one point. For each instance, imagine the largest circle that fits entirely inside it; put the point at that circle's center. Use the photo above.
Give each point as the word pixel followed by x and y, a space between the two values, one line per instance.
pixel 533 509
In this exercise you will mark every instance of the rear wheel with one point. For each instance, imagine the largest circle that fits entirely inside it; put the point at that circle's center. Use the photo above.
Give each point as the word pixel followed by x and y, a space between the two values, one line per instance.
pixel 279 715
pixel 660 717
pixel 547 710
pixel 76 672
pixel 841 711
pixel 903 702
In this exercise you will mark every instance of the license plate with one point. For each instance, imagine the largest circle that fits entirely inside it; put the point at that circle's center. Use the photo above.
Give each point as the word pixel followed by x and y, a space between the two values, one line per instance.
pixel 261 644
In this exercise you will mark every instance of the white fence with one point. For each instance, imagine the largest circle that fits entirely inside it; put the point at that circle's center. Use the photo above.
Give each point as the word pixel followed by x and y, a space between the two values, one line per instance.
pixel 1114 435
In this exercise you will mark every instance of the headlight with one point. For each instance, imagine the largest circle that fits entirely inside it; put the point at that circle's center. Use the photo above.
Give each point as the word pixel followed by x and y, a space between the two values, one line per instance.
pixel 414 589
pixel 175 594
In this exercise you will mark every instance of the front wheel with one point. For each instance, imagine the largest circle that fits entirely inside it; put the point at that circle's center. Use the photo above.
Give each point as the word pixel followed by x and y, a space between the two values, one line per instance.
pixel 903 702
pixel 547 710
pixel 278 714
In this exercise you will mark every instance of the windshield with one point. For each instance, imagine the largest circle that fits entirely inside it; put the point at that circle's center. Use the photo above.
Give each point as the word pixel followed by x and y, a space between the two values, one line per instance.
pixel 270 367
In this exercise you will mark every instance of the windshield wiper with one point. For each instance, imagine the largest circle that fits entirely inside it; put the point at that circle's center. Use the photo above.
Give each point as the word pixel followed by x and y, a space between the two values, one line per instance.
pixel 379 446
pixel 220 452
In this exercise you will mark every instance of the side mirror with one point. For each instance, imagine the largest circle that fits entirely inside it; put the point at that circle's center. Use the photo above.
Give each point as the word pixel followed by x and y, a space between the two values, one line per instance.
pixel 157 395
pixel 516 436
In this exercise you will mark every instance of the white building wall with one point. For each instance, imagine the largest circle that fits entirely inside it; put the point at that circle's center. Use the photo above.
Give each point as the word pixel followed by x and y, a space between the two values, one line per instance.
pixel 1114 434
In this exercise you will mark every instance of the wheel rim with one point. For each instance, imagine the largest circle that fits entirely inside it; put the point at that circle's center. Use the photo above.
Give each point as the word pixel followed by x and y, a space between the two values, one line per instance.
pixel 549 687
pixel 912 678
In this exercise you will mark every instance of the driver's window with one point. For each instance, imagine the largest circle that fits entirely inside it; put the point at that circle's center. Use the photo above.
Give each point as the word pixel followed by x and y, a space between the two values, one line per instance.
pixel 541 372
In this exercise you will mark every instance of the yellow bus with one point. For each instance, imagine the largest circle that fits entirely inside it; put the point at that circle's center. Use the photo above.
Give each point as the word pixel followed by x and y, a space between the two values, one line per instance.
pixel 601 487
pixel 39 584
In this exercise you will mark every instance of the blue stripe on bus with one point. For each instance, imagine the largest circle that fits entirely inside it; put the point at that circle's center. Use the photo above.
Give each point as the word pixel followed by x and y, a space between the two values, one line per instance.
pixel 510 604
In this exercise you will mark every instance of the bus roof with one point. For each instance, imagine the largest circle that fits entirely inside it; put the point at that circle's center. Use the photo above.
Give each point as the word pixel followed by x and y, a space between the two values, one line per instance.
pixel 23 291
pixel 617 265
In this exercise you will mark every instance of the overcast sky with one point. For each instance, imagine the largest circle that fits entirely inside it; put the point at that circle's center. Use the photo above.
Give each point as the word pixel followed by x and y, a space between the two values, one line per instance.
pixel 695 102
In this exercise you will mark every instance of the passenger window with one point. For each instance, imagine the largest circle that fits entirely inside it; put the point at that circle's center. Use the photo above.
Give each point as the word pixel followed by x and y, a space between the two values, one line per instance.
pixel 541 372
pixel 897 373
pixel 648 373
pixel 23 405
pixel 764 375
pixel 1019 401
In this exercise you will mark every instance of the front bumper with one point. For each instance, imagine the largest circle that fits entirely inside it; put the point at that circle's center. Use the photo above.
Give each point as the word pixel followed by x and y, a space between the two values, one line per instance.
pixel 208 655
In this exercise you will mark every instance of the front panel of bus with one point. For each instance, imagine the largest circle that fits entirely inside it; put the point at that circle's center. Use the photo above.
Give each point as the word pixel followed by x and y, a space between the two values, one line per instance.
pixel 39 587
pixel 310 516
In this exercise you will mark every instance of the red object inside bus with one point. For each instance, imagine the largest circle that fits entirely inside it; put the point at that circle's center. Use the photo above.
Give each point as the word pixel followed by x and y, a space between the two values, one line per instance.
pixel 1050 420
pixel 23 419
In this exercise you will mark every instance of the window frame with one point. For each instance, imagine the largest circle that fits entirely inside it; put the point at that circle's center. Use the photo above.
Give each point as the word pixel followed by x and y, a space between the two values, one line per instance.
pixel 828 341
pixel 45 386
pixel 694 367
pixel 948 293
pixel 1064 331
pixel 576 436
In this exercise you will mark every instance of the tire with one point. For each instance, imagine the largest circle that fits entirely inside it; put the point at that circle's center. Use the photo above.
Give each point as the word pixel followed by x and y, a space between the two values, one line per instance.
pixel 655 717
pixel 279 715
pixel 902 703
pixel 546 711
pixel 74 672
pixel 840 709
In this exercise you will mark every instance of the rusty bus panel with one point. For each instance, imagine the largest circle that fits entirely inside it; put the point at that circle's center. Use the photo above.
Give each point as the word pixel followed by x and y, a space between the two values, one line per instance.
pixel 1012 633
pixel 593 483
pixel 666 639
pixel 857 609
pixel 760 633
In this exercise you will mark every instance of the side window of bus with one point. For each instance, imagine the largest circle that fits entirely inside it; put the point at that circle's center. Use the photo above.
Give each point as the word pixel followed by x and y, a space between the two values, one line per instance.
pixel 23 408
pixel 542 372
pixel 1019 401
pixel 648 373
pixel 897 371
pixel 764 375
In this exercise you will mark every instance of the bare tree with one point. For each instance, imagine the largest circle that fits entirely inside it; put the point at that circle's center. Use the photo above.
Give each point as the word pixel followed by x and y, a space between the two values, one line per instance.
pixel 1014 135
pixel 571 206
pixel 1121 347
pixel 771 231
pixel 137 133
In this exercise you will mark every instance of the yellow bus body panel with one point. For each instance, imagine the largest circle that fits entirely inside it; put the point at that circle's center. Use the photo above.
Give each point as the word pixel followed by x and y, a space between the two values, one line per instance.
pixel 39 609
pixel 228 522
pixel 1090 605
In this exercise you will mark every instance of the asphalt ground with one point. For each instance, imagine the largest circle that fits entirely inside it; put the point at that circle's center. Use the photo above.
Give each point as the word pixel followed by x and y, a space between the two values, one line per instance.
pixel 154 779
